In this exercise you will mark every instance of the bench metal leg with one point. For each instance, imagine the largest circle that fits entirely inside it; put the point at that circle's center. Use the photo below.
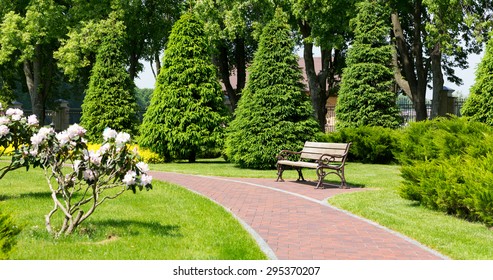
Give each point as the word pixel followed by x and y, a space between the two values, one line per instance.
pixel 339 172
pixel 300 175
pixel 280 170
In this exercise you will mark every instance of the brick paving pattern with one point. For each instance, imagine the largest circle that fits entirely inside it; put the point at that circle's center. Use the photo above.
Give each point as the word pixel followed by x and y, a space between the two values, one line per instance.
pixel 297 223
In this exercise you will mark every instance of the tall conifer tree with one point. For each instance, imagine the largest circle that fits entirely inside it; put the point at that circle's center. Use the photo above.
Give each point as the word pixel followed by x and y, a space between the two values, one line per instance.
pixel 479 105
pixel 187 114
pixel 274 112
pixel 365 97
pixel 110 100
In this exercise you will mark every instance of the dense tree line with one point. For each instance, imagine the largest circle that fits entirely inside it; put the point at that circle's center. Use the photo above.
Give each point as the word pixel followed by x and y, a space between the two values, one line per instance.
pixel 48 47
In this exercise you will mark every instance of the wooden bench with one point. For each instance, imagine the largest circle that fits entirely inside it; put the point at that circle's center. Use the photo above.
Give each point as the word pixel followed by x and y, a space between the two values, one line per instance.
pixel 326 158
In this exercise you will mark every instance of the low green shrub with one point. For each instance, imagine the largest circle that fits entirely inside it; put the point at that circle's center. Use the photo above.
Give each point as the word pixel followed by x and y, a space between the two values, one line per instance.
pixel 447 165
pixel 370 144
pixel 442 138
pixel 459 186
pixel 8 233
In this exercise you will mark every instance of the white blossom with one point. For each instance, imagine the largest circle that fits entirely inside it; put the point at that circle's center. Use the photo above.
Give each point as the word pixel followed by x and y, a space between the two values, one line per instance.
pixel 104 148
pixel 32 120
pixel 122 138
pixel 16 117
pixel 75 130
pixel 109 133
pixel 129 178
pixel 63 137
pixel 4 130
pixel 95 158
pixel 143 167
pixel 14 112
pixel 145 180
pixel 4 120
pixel 38 138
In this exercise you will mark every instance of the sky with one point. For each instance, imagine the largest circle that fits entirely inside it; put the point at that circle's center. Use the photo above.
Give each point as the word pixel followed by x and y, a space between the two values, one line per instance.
pixel 146 78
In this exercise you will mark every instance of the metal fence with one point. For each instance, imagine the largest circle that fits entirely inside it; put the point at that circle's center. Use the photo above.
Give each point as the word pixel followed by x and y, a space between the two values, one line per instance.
pixel 407 111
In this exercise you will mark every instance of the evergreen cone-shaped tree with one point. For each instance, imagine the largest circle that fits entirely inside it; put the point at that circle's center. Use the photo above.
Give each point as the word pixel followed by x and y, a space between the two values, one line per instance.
pixel 187 112
pixel 479 105
pixel 365 97
pixel 273 113
pixel 110 100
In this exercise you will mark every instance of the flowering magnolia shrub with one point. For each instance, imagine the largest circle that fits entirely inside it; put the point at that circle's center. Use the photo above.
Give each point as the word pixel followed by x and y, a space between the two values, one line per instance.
pixel 80 179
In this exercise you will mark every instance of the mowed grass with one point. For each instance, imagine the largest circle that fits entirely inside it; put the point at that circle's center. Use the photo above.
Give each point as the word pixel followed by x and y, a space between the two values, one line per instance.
pixel 166 223
pixel 452 237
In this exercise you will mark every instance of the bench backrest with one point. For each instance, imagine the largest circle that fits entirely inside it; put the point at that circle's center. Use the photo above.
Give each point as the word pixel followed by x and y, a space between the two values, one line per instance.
pixel 313 150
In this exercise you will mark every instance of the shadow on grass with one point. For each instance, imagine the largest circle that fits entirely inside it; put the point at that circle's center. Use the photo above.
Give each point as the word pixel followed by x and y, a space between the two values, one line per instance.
pixel 35 195
pixel 133 228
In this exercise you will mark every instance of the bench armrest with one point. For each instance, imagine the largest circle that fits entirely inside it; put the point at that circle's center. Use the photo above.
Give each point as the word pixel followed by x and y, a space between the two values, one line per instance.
pixel 284 154
pixel 328 158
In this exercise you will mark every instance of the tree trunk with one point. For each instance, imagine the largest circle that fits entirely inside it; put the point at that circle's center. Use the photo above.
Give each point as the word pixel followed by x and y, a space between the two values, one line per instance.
pixel 413 64
pixel 436 68
pixel 223 63
pixel 32 72
pixel 316 94
pixel 241 66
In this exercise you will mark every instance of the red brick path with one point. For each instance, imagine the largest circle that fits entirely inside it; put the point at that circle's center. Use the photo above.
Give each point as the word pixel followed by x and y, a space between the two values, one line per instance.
pixel 297 223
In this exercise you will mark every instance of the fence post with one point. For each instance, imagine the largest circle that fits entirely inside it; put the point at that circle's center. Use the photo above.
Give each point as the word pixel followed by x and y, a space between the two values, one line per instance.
pixel 61 118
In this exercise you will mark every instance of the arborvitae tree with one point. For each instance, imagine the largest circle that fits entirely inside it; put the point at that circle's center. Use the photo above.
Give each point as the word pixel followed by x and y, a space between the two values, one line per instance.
pixel 110 100
pixel 274 112
pixel 365 97
pixel 187 113
pixel 479 104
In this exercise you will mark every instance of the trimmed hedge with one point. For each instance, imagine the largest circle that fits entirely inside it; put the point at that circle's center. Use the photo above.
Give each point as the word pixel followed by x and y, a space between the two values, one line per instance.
pixel 447 165
pixel 370 144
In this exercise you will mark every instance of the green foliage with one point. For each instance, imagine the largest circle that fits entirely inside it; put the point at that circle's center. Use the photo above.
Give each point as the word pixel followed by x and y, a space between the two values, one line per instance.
pixel 273 113
pixel 187 113
pixel 8 233
pixel 442 138
pixel 447 166
pixel 143 96
pixel 479 105
pixel 370 144
pixel 365 97
pixel 109 100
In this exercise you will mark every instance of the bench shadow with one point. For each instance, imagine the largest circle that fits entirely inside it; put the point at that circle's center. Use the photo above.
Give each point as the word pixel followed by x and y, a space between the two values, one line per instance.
pixel 328 184
pixel 134 228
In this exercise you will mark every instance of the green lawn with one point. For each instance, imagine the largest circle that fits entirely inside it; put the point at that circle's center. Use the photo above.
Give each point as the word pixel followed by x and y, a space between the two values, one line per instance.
pixel 453 237
pixel 167 222
pixel 178 224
